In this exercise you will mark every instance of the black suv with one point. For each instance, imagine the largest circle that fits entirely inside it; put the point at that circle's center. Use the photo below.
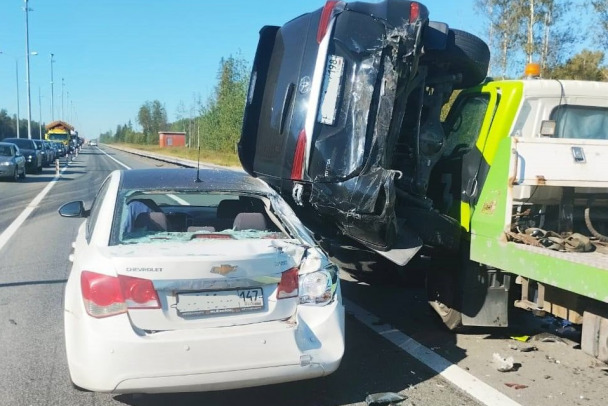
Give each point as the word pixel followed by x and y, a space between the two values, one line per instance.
pixel 31 152
pixel 343 114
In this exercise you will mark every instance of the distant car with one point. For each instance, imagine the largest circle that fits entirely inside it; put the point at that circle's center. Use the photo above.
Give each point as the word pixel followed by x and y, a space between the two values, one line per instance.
pixel 51 150
pixel 93 143
pixel 45 149
pixel 342 116
pixel 61 149
pixel 12 161
pixel 31 152
pixel 193 282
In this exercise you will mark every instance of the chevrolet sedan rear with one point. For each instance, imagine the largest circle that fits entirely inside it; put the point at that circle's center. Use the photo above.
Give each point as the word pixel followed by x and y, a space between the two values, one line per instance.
pixel 182 285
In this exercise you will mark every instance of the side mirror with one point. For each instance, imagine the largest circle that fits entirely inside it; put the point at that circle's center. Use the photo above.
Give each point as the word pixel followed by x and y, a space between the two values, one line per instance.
pixel 73 209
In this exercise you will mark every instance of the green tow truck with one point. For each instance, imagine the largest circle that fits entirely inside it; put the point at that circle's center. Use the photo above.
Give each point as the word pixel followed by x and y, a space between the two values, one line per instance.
pixel 520 207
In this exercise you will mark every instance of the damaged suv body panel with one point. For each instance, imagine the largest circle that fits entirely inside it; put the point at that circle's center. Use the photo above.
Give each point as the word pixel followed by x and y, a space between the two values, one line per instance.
pixel 332 95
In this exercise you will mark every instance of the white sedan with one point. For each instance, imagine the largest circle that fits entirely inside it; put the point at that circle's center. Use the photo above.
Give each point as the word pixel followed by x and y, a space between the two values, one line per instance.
pixel 184 281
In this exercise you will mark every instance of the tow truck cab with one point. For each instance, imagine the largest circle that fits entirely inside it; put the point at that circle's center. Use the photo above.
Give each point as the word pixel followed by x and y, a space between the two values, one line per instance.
pixel 525 172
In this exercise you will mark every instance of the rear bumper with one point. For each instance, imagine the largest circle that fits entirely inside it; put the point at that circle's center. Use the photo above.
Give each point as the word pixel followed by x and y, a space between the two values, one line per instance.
pixel 107 355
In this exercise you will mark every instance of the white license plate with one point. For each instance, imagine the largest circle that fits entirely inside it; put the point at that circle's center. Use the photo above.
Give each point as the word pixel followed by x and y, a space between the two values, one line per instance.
pixel 331 89
pixel 220 301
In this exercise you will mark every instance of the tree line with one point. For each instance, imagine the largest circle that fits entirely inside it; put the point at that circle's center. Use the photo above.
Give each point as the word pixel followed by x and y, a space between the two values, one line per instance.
pixel 215 125
pixel 546 32
pixel 8 127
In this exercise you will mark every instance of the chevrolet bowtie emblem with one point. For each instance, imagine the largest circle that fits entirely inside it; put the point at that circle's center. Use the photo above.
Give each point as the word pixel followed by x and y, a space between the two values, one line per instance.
pixel 223 269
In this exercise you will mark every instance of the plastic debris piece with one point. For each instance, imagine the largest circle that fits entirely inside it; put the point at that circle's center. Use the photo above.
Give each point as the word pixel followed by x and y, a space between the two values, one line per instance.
pixel 503 364
pixel 523 339
pixel 516 385
pixel 528 348
pixel 548 338
pixel 384 399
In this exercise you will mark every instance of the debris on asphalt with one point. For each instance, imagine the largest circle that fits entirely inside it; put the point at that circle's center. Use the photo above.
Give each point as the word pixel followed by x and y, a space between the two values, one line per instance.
pixel 503 364
pixel 384 399
pixel 516 385
pixel 523 339
pixel 528 348
pixel 548 338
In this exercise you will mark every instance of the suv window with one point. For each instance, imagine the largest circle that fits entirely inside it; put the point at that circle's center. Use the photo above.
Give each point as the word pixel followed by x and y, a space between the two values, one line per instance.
pixel 582 122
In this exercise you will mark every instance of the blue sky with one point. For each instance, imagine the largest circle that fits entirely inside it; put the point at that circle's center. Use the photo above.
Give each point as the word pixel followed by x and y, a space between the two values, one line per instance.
pixel 114 55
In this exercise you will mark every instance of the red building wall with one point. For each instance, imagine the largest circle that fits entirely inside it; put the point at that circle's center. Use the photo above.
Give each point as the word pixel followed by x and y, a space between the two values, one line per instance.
pixel 171 139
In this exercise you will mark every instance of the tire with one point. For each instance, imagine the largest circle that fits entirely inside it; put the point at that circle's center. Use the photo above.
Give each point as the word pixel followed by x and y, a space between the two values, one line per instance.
pixel 15 177
pixel 465 54
pixel 23 174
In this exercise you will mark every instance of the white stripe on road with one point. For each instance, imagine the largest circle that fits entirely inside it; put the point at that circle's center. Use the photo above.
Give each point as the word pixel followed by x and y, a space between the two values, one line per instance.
pixel 114 159
pixel 454 374
pixel 12 229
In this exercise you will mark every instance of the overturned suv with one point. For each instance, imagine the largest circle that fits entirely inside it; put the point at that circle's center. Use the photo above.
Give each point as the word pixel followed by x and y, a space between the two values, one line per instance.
pixel 343 116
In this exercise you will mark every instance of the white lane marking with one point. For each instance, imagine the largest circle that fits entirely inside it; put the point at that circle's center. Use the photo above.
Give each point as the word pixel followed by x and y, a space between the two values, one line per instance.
pixel 114 159
pixel 454 374
pixel 178 200
pixel 12 229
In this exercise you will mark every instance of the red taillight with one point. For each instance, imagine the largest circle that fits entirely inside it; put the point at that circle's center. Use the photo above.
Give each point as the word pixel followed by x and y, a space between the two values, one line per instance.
pixel 105 295
pixel 139 293
pixel 298 157
pixel 288 287
pixel 414 11
pixel 325 18
pixel 101 294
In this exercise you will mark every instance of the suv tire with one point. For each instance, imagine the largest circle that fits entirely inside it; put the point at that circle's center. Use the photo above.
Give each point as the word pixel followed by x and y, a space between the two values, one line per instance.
pixel 465 54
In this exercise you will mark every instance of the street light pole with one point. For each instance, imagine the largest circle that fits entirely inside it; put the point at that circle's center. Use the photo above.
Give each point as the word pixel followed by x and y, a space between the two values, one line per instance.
pixel 62 88
pixel 52 91
pixel 17 84
pixel 40 112
pixel 27 71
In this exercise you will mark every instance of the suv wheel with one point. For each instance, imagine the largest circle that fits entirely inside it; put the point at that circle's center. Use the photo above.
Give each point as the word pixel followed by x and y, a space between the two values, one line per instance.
pixel 465 54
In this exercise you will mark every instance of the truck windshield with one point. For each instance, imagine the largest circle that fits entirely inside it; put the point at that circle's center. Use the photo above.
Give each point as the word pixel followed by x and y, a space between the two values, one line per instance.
pixel 582 122
pixel 57 137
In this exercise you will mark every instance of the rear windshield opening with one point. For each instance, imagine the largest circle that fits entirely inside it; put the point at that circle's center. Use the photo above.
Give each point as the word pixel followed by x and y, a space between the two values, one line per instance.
pixel 156 216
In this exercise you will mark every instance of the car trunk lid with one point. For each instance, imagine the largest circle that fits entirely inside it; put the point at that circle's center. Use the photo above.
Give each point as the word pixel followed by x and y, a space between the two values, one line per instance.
pixel 210 283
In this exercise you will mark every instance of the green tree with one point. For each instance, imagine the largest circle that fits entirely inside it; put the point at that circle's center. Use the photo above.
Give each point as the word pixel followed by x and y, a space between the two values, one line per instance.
pixel 222 117
pixel 152 117
pixel 527 31
pixel 601 8
pixel 585 65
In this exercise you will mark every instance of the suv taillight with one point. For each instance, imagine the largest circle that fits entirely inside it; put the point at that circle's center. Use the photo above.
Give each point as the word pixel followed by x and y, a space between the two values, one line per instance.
pixel 326 14
pixel 414 11
pixel 105 295
pixel 298 157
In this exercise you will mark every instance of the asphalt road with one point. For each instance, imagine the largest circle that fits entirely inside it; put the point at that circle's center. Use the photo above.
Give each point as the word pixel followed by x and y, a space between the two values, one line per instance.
pixel 394 342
